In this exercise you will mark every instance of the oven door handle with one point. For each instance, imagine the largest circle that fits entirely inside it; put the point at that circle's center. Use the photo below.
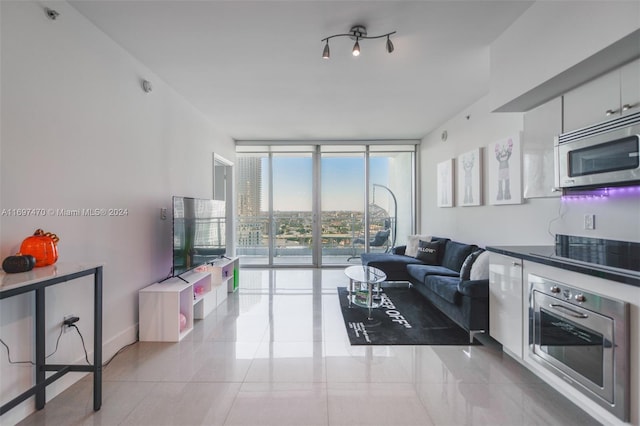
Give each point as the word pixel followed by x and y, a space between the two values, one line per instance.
pixel 568 311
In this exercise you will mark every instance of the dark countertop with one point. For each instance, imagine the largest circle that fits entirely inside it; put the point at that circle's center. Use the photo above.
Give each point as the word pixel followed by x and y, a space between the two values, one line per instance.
pixel 546 256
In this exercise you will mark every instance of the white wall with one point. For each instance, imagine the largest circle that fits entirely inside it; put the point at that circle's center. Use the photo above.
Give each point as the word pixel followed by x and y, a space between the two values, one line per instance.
pixel 482 225
pixel 534 222
pixel 79 132
pixel 552 36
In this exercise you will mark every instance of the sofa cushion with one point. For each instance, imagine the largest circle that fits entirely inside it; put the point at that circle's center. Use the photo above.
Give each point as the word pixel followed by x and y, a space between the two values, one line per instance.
pixel 421 272
pixel 465 270
pixel 455 253
pixel 393 265
pixel 445 287
pixel 429 252
pixel 412 244
pixel 398 249
pixel 480 268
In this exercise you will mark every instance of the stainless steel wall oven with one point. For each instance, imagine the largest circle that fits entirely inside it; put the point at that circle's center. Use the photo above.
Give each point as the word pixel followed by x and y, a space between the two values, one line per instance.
pixel 584 339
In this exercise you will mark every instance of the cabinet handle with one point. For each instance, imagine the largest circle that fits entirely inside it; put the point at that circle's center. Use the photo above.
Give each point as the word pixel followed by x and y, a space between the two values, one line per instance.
pixel 516 264
pixel 611 112
pixel 627 107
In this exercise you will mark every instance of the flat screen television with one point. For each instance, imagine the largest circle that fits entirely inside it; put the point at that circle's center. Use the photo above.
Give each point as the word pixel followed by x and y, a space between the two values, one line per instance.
pixel 199 232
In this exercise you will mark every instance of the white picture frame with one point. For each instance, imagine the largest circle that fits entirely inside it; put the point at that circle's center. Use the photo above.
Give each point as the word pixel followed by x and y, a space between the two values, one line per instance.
pixel 469 179
pixel 505 171
pixel 444 179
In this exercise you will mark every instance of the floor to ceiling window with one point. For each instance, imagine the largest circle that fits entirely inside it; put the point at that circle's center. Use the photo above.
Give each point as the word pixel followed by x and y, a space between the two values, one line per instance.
pixel 292 220
pixel 322 204
pixel 253 209
pixel 342 188
pixel 391 189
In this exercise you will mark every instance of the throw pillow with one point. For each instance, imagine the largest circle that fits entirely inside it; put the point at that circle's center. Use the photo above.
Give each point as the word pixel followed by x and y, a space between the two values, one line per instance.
pixel 465 271
pixel 412 244
pixel 429 252
pixel 480 268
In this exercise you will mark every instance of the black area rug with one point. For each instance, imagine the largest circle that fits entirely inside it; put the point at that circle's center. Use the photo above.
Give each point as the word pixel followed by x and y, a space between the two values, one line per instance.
pixel 405 318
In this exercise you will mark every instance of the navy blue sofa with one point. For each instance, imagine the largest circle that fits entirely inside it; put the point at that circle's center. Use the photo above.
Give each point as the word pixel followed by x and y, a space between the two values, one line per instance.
pixel 466 302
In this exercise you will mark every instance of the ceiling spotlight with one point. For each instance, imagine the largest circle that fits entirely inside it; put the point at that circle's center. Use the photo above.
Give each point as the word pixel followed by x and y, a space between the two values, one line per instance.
pixel 357 33
pixel 389 45
pixel 325 52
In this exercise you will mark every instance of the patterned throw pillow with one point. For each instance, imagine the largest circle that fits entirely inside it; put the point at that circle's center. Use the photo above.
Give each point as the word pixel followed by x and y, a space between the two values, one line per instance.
pixel 412 244
pixel 465 271
pixel 429 252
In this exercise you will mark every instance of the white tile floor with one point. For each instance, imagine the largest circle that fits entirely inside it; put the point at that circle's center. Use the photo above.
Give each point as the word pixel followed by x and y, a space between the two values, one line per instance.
pixel 276 353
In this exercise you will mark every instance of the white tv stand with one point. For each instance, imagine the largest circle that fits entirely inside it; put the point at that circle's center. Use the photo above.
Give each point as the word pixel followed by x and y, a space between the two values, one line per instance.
pixel 161 304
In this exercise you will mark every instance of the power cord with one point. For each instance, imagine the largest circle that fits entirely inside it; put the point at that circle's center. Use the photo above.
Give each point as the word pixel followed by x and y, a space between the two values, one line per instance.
pixel 560 216
pixel 9 356
pixel 122 349
pixel 86 355
pixel 31 362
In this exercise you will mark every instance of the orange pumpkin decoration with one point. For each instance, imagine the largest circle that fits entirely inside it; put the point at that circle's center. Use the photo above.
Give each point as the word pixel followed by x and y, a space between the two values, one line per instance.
pixel 42 246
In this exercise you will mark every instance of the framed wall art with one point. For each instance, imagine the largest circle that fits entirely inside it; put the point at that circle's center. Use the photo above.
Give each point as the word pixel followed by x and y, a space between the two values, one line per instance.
pixel 469 179
pixel 504 165
pixel 444 181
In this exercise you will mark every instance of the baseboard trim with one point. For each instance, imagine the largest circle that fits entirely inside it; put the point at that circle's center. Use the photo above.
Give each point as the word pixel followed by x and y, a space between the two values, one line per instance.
pixel 109 348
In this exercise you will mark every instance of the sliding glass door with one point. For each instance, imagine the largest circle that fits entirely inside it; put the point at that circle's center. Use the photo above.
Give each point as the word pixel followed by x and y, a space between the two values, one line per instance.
pixel 275 207
pixel 391 201
pixel 292 222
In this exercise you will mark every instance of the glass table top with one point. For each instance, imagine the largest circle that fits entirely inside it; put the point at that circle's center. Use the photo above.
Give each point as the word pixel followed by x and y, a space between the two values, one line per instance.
pixel 365 274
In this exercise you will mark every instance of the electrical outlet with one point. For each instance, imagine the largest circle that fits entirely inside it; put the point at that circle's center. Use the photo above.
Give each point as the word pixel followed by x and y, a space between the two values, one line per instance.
pixel 589 221
pixel 66 327
pixel 68 320
pixel 163 213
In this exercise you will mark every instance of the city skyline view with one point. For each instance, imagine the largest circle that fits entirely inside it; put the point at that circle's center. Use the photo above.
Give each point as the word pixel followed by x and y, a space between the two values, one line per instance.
pixel 342 179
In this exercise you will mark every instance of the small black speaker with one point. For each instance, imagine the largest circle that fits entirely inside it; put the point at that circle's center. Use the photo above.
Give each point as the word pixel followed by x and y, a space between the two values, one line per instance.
pixel 18 263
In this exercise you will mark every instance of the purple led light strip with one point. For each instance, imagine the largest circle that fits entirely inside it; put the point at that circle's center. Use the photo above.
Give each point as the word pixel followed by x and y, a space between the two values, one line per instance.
pixel 602 193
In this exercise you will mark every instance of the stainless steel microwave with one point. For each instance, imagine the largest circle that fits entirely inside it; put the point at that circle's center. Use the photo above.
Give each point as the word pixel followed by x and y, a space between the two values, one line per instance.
pixel 597 156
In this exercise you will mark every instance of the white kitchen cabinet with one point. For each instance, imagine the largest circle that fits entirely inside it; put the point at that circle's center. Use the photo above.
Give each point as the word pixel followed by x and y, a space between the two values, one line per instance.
pixel 630 88
pixel 609 96
pixel 505 302
pixel 541 125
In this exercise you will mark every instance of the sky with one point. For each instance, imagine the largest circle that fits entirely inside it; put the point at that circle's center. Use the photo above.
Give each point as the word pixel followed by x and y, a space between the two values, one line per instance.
pixel 342 180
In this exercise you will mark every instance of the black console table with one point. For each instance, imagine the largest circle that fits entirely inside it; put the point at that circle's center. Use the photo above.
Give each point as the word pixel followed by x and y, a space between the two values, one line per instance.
pixel 36 281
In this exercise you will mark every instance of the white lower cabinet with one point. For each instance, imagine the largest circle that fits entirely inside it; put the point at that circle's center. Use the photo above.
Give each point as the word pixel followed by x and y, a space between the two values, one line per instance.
pixel 506 291
pixel 167 309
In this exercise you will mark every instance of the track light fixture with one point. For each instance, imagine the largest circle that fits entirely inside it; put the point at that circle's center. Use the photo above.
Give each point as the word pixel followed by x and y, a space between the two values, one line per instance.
pixel 389 45
pixel 325 52
pixel 356 49
pixel 357 33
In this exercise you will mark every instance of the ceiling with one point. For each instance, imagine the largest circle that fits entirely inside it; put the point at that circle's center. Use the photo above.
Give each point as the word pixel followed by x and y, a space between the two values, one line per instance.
pixel 255 68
